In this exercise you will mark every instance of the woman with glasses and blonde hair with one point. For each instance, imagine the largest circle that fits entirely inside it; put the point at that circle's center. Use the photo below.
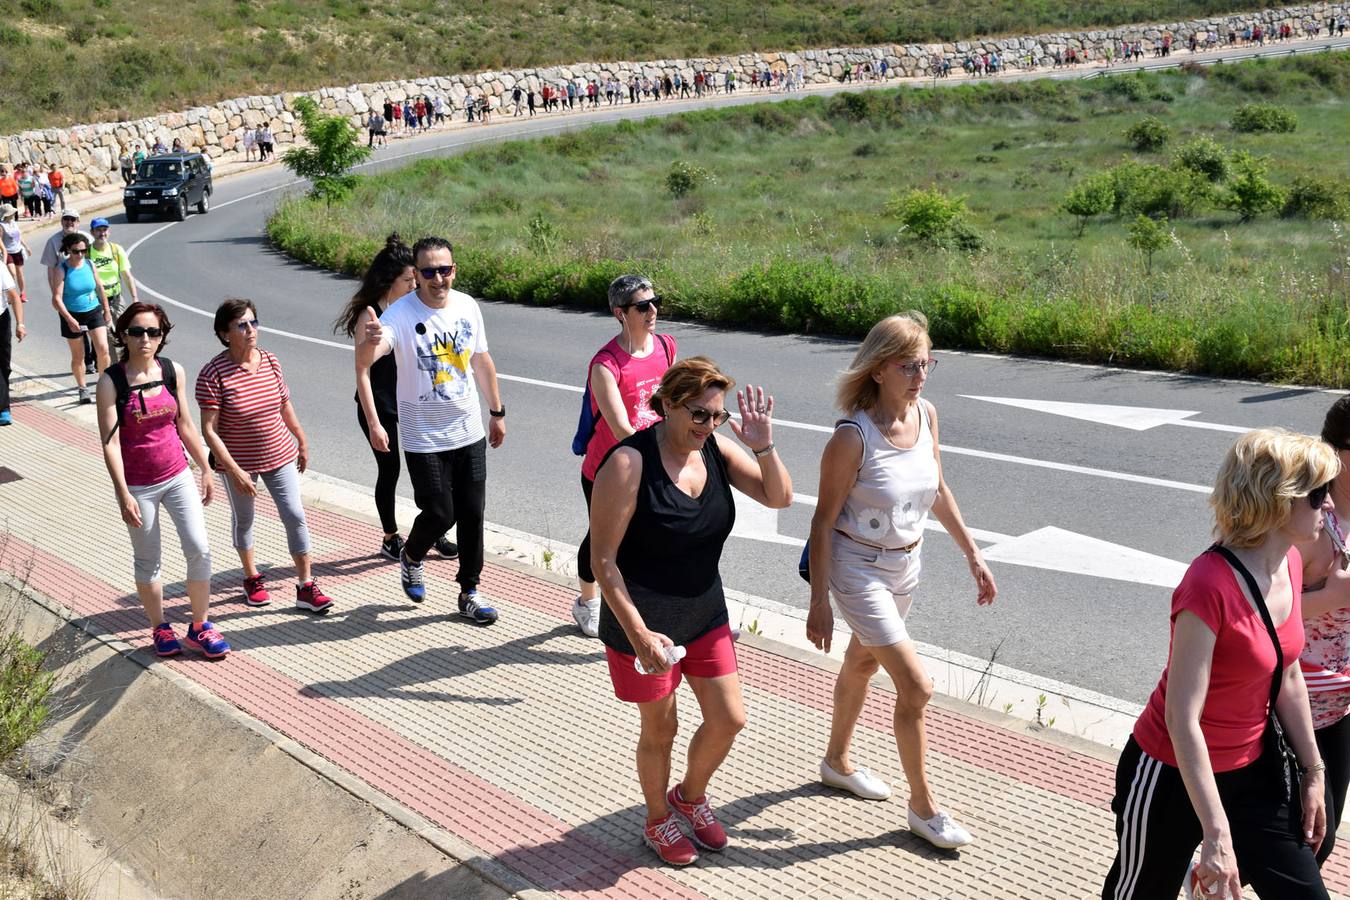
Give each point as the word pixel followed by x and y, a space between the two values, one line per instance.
pixel 880 476
pixel 660 516
pixel 1208 762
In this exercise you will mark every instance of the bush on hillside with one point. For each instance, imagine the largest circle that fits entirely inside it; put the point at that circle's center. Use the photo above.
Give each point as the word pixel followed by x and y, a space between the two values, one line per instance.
pixel 1093 196
pixel 685 178
pixel 1149 134
pixel 1157 191
pixel 1317 198
pixel 1264 117
pixel 1204 157
pixel 1250 193
pixel 926 215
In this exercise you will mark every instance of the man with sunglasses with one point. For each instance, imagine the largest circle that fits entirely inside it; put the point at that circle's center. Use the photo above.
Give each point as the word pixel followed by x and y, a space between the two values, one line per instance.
pixel 436 335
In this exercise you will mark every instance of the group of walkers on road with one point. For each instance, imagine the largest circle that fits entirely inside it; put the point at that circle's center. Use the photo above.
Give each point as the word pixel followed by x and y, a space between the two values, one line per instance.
pixel 33 190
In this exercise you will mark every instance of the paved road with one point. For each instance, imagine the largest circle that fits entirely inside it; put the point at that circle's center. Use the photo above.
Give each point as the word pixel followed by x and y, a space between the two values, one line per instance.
pixel 1046 491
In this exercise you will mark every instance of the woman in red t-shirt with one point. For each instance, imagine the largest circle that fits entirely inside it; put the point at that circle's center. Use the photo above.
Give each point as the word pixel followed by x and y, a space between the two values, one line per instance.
pixel 623 376
pixel 1200 767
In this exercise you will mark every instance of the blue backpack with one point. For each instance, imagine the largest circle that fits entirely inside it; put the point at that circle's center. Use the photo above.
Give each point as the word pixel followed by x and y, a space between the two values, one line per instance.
pixel 586 421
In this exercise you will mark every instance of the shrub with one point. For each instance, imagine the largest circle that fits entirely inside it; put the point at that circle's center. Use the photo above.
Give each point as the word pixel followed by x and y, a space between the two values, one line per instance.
pixel 684 178
pixel 927 215
pixel 24 692
pixel 1317 198
pixel 334 147
pixel 541 235
pixel 1157 191
pixel 1204 157
pixel 1250 193
pixel 1148 236
pixel 1264 117
pixel 1092 196
pixel 1148 134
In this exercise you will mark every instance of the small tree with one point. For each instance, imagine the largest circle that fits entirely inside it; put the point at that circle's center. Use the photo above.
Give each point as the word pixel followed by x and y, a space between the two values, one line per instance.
pixel 1092 196
pixel 1250 193
pixel 685 178
pixel 928 215
pixel 334 147
pixel 1148 236
pixel 1148 134
pixel 1204 157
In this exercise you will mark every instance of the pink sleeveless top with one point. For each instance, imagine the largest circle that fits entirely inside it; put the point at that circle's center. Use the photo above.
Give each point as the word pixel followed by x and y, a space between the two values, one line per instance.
pixel 152 452
pixel 638 378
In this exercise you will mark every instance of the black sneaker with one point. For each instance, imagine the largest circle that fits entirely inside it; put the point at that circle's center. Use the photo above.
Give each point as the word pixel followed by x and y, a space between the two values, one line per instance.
pixel 392 548
pixel 446 547
pixel 470 608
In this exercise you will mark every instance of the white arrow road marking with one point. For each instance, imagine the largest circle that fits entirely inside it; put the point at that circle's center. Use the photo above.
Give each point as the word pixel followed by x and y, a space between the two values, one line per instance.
pixel 1135 418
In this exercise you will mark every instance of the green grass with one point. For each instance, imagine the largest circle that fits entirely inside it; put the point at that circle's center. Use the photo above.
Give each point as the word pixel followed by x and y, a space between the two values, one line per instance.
pixel 65 61
pixel 790 231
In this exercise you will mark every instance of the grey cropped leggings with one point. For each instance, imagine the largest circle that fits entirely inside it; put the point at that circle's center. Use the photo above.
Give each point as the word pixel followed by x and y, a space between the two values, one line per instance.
pixel 178 495
pixel 284 486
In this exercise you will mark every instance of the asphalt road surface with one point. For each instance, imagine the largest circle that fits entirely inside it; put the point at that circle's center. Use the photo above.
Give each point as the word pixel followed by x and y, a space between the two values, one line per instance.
pixel 1088 515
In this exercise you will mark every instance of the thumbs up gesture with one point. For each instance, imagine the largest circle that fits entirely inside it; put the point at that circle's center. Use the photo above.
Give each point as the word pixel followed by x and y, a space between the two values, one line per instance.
pixel 372 330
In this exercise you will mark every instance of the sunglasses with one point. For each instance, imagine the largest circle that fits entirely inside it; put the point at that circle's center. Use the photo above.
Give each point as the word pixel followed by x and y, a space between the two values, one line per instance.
pixel 431 272
pixel 644 306
pixel 700 416
pixel 247 325
pixel 1318 496
pixel 914 368
pixel 138 331
pixel 77 250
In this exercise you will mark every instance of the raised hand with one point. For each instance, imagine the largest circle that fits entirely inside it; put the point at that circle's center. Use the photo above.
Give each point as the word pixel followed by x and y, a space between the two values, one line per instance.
pixel 755 429
pixel 372 330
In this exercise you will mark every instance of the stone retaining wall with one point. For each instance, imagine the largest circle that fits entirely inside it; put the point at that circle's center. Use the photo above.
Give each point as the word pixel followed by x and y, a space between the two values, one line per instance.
pixel 88 153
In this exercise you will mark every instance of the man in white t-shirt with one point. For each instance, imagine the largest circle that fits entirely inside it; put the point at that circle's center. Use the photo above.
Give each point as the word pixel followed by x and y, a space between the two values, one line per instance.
pixel 437 338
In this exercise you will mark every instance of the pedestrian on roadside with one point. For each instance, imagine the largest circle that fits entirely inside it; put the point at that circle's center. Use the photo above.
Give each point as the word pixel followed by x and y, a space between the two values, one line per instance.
pixel 113 267
pixel 374 127
pixel 1207 763
pixel 57 180
pixel 124 166
pixel 46 199
pixel 250 141
pixel 159 149
pixel 15 248
pixel 622 376
pixel 9 188
pixel 661 514
pixel 145 425
pixel 137 158
pixel 82 306
pixel 389 278
pixel 11 310
pixel 515 101
pixel 265 142
pixel 253 431
pixel 880 476
pixel 28 191
pixel 51 259
pixel 440 347
pixel 1326 621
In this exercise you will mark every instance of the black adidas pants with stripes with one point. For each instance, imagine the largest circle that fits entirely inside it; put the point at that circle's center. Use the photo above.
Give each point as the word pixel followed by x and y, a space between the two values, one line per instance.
pixel 1157 831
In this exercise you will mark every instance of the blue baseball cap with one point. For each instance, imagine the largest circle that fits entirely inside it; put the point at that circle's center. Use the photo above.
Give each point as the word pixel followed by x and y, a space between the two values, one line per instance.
pixel 100 223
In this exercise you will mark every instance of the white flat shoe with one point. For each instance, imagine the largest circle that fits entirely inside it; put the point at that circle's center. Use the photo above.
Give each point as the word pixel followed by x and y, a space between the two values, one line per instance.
pixel 861 783
pixel 940 831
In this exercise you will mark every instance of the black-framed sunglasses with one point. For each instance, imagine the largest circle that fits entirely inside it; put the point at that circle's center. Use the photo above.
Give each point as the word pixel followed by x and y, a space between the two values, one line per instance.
pixel 644 306
pixel 138 331
pixel 80 250
pixel 431 272
pixel 247 325
pixel 1318 496
pixel 700 416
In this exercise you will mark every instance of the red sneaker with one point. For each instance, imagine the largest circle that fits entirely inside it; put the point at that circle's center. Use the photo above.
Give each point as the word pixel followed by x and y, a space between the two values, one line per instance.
pixel 255 592
pixel 708 834
pixel 669 842
pixel 308 596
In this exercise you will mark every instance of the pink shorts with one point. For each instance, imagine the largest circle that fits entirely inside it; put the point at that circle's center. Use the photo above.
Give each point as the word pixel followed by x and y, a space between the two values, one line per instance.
pixel 711 656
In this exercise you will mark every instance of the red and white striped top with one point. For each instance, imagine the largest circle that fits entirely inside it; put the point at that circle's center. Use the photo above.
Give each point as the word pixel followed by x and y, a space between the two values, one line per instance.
pixel 250 411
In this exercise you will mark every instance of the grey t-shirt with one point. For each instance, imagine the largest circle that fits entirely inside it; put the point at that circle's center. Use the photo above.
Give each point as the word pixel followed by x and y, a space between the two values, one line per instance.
pixel 51 253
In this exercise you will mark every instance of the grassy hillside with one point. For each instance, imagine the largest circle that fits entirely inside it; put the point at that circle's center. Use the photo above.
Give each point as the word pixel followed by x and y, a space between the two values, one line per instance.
pixel 65 61
pixel 781 215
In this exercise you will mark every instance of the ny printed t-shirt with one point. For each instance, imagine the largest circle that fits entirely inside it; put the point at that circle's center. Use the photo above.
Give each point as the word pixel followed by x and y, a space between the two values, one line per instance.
pixel 433 348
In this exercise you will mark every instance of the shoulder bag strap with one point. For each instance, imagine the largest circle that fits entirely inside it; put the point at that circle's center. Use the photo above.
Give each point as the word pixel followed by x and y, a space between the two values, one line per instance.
pixel 1260 601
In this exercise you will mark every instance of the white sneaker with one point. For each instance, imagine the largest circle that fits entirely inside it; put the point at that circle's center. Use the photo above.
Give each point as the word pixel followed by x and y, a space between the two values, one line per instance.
pixel 587 615
pixel 940 831
pixel 861 783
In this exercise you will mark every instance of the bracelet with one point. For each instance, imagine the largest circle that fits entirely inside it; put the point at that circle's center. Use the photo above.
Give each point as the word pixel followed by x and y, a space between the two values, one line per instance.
pixel 1319 766
pixel 764 451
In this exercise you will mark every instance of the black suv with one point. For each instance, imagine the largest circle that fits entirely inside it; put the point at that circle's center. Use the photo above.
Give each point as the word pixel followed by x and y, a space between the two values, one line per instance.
pixel 169 183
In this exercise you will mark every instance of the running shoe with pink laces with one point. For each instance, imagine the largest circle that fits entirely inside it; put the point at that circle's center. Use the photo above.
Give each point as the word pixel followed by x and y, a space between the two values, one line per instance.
pixel 166 642
pixel 206 639
pixel 255 591
pixel 308 596
pixel 708 833
pixel 669 842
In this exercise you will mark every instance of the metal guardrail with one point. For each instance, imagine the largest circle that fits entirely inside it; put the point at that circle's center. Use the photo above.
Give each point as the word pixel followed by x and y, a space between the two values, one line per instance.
pixel 1197 59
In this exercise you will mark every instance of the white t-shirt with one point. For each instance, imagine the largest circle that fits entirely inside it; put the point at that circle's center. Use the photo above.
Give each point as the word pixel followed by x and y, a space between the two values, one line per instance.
pixel 11 236
pixel 6 285
pixel 437 396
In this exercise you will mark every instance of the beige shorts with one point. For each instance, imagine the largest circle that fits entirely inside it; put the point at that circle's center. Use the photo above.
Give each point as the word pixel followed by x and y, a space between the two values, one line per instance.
pixel 873 589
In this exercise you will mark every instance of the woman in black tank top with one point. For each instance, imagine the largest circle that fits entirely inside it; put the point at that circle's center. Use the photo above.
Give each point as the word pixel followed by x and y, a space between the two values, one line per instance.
pixel 660 516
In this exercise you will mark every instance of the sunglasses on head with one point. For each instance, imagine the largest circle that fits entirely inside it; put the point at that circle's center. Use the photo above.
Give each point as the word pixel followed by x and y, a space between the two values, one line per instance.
pixel 701 416
pixel 137 331
pixel 431 272
pixel 644 306
pixel 247 325
pixel 1318 496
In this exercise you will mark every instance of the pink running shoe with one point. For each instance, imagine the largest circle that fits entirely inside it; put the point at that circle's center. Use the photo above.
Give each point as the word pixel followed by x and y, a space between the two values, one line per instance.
pixel 255 591
pixel 308 596
pixel 708 834
pixel 669 842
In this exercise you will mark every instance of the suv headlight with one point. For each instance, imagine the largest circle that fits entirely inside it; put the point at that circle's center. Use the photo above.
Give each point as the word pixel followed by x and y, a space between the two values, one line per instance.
pixel 171 192
pixel 128 193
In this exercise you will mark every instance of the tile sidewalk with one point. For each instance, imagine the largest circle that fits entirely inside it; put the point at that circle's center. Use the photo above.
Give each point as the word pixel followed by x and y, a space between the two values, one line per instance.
pixel 509 737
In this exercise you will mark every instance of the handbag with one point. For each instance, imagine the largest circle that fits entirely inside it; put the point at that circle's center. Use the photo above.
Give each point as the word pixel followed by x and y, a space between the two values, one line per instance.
pixel 1273 739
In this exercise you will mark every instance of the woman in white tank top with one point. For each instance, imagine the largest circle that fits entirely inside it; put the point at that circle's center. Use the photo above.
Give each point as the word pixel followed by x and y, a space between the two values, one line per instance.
pixel 880 475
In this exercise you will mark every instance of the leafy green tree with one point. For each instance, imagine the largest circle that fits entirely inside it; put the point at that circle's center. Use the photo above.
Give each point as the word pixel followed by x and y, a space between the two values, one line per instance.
pixel 1157 191
pixel 1148 134
pixel 1250 193
pixel 1092 196
pixel 334 148
pixel 1148 236
pixel 928 215
pixel 1204 157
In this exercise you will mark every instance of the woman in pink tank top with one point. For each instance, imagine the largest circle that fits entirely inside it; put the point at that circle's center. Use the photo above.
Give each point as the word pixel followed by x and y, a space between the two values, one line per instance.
pixel 145 427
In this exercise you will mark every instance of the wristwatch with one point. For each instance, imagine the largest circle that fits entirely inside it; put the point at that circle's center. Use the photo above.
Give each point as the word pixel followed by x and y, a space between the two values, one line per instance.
pixel 498 413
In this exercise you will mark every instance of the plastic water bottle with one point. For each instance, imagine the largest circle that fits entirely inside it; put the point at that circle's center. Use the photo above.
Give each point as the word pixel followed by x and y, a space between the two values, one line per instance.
pixel 674 654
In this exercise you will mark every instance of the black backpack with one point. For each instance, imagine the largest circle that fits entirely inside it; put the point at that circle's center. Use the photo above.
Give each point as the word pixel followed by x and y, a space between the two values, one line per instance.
pixel 118 373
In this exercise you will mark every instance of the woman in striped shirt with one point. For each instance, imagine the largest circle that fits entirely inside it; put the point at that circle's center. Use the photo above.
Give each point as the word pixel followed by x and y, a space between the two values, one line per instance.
pixel 252 430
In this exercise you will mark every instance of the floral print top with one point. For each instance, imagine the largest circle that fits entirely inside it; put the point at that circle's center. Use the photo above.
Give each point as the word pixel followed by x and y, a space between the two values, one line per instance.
pixel 1326 655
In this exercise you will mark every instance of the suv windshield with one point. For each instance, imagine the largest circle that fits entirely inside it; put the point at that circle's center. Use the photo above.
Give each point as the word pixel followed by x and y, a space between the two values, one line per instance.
pixel 161 170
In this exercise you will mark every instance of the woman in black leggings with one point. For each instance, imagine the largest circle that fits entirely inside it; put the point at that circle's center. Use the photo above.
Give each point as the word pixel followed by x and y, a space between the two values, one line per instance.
pixel 389 277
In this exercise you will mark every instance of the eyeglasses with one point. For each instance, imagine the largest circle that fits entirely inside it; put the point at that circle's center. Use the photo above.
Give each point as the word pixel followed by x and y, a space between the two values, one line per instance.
pixel 76 250
pixel 914 368
pixel 431 272
pixel 247 325
pixel 1318 496
pixel 701 416
pixel 138 331
pixel 643 306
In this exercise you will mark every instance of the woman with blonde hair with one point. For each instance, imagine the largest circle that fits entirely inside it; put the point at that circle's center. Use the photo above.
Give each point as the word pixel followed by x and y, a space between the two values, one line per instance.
pixel 1209 760
pixel 880 476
